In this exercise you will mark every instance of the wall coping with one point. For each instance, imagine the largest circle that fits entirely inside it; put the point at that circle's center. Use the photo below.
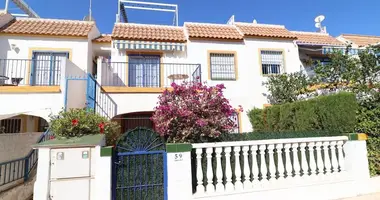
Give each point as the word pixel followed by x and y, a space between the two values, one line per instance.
pixel 178 147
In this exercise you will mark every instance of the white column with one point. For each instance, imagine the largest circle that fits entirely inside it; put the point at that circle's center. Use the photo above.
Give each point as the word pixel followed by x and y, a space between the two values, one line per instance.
pixel 305 168
pixel 103 176
pixel 255 167
pixel 296 158
pixel 219 170
pixel 99 69
pixel 319 158
pixel 334 159
pixel 312 163
pixel 327 157
pixel 288 164
pixel 340 154
pixel 272 166
pixel 247 182
pixel 200 187
pixel 280 166
pixel 238 173
pixel 209 187
pixel 263 166
pixel 229 185
pixel 179 175
pixel 41 186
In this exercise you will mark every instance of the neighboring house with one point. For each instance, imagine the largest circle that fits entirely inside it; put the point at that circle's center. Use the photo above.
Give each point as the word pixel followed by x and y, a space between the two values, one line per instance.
pixel 313 47
pixel 36 56
pixel 359 41
pixel 144 59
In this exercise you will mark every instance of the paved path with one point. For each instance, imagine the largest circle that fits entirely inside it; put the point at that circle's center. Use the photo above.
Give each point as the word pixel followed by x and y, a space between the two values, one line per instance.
pixel 375 196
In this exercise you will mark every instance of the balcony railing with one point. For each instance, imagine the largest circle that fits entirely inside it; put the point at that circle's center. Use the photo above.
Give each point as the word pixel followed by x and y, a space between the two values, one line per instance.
pixel 148 75
pixel 30 72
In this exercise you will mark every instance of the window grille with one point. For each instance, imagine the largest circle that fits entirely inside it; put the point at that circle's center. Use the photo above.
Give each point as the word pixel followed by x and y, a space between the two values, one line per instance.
pixel 10 126
pixel 222 66
pixel 235 118
pixel 272 62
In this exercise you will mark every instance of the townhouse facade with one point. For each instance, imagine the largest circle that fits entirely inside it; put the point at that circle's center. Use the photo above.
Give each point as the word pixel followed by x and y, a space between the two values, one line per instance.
pixel 135 63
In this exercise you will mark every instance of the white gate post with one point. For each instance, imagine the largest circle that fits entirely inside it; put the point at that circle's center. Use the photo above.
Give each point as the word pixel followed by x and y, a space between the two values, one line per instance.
pixel 178 166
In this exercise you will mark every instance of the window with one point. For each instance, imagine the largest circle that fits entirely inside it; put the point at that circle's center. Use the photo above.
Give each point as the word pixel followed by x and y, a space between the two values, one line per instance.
pixel 10 126
pixel 43 125
pixel 272 62
pixel 46 68
pixel 144 71
pixel 222 66
pixel 235 118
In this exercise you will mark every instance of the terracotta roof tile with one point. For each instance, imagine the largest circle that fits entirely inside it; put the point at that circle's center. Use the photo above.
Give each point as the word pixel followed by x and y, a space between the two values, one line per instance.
pixel 56 27
pixel 263 30
pixel 104 38
pixel 316 38
pixel 217 31
pixel 362 40
pixel 148 32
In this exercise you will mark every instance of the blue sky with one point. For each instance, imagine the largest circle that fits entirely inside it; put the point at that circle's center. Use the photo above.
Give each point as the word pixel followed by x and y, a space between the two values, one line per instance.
pixel 342 16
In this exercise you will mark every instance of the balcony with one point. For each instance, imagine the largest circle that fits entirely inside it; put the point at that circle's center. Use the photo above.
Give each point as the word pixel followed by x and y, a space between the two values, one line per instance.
pixel 146 77
pixel 21 72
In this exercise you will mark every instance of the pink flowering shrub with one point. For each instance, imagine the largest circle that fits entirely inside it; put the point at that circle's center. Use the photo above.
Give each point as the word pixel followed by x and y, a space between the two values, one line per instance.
pixel 193 112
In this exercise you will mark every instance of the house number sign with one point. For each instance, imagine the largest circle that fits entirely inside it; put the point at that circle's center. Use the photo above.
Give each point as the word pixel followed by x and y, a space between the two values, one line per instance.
pixel 178 157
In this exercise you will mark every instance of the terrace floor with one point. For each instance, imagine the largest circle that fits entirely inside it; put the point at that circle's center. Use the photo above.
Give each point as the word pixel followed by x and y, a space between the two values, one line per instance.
pixel 374 196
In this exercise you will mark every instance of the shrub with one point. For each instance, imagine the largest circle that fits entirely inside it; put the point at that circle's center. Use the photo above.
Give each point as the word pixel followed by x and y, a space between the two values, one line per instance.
pixel 80 122
pixel 334 113
pixel 193 112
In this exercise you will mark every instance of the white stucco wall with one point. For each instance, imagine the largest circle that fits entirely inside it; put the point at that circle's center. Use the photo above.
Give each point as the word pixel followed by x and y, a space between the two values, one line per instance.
pixel 246 91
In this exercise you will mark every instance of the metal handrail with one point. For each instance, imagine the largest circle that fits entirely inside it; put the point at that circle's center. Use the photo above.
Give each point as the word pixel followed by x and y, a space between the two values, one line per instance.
pixel 19 168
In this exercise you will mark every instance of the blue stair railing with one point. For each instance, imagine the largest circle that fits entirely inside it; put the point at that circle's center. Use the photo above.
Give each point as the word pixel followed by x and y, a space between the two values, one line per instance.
pixel 20 168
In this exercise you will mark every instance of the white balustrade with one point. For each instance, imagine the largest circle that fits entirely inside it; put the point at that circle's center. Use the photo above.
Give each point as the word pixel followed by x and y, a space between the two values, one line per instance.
pixel 280 160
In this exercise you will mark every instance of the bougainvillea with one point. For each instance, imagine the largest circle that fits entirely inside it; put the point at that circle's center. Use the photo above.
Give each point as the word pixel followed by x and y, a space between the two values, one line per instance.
pixel 193 112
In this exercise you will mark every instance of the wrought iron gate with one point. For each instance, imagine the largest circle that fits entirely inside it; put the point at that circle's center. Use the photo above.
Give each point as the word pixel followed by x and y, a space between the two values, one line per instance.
pixel 140 166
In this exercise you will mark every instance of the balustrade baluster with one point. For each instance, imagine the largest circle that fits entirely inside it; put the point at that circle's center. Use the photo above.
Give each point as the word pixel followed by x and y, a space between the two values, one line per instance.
pixel 229 186
pixel 238 173
pixel 200 186
pixel 318 146
pixel 334 159
pixel 341 158
pixel 210 186
pixel 312 163
pixel 247 182
pixel 288 164
pixel 304 165
pixel 263 164
pixel 296 160
pixel 255 166
pixel 272 165
pixel 327 161
pixel 219 170
pixel 280 165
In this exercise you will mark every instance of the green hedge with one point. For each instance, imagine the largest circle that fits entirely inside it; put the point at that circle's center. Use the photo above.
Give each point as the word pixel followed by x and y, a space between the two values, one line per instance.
pixel 277 135
pixel 334 113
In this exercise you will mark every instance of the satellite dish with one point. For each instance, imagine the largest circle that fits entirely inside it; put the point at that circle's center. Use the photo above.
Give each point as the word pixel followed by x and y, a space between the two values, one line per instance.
pixel 317 25
pixel 319 18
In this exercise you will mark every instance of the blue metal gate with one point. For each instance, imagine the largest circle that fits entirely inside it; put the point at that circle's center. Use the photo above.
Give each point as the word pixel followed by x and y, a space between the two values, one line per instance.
pixel 91 92
pixel 140 166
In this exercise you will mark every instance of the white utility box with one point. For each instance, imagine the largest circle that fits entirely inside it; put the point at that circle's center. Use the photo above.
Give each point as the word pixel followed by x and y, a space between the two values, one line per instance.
pixel 73 167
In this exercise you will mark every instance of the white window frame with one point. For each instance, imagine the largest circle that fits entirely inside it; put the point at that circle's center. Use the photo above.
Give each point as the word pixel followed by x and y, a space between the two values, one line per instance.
pixel 270 59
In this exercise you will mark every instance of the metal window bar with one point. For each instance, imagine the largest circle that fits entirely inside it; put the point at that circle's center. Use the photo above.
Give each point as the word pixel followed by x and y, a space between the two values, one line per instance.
pixel 149 74
pixel 40 71
pixel 10 126
pixel 272 62
pixel 235 118
pixel 222 66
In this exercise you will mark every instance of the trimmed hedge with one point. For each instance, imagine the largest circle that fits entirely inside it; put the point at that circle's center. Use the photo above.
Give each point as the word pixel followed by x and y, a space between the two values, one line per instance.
pixel 334 113
pixel 278 135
